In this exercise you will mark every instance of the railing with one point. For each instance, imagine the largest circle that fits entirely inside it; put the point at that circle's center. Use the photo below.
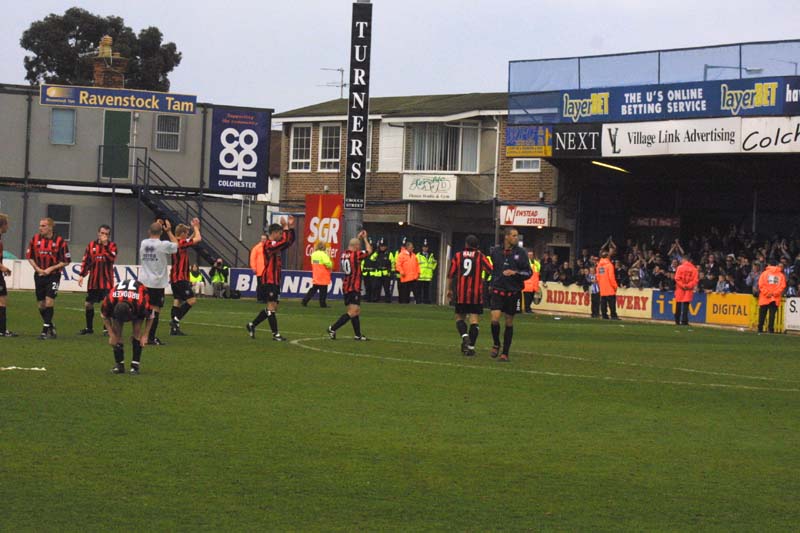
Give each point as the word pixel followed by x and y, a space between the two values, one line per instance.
pixel 169 196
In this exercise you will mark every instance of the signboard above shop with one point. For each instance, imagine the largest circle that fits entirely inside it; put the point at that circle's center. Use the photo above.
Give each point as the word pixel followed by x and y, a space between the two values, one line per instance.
pixel 123 99
pixel 524 215
pixel 702 99
pixel 430 187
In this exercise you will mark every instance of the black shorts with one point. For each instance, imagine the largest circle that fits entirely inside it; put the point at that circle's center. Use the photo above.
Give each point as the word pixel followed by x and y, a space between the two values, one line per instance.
pixel 508 304
pixel 46 286
pixel 182 290
pixel 469 309
pixel 352 298
pixel 271 292
pixel 3 289
pixel 261 292
pixel 96 296
pixel 156 297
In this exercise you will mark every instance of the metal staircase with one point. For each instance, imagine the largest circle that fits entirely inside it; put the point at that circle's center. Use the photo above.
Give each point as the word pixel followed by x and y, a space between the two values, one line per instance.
pixel 160 192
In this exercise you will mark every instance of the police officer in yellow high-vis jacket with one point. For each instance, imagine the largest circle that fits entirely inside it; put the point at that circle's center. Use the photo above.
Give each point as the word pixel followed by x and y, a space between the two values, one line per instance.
pixel 381 276
pixel 427 266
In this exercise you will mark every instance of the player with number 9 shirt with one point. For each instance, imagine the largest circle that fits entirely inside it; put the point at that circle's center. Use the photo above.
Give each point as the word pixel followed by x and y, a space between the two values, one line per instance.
pixel 350 263
pixel 466 291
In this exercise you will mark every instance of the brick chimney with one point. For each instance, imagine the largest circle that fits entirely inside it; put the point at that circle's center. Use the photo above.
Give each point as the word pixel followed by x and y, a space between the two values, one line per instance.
pixel 109 67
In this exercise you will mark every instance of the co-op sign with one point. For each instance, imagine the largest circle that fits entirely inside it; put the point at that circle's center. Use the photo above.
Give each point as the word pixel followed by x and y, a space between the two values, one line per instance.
pixel 524 215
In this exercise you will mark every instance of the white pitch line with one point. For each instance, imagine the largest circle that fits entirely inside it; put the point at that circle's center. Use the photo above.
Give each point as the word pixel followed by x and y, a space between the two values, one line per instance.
pixel 299 342
pixel 558 356
pixel 5 368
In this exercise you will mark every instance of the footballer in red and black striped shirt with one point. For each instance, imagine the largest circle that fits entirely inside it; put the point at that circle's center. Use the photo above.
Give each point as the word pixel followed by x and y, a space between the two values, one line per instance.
pixel 350 263
pixel 128 301
pixel 279 238
pixel 183 296
pixel 98 264
pixel 466 274
pixel 47 253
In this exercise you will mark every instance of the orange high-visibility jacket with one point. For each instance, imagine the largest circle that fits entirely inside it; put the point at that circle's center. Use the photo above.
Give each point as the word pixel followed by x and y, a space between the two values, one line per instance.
pixel 257 259
pixel 606 277
pixel 407 266
pixel 321 266
pixel 771 285
pixel 686 279
pixel 532 283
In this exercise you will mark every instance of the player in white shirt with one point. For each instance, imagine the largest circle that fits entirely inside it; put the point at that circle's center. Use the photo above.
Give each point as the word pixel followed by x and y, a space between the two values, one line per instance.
pixel 155 257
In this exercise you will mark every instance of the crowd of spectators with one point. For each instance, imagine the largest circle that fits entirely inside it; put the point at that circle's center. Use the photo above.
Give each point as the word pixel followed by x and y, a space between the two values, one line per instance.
pixel 728 262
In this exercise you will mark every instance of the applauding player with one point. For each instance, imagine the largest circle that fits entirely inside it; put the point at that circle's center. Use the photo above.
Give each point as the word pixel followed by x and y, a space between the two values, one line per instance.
pixel 183 296
pixel 98 264
pixel 280 237
pixel 127 302
pixel 350 263
pixel 466 269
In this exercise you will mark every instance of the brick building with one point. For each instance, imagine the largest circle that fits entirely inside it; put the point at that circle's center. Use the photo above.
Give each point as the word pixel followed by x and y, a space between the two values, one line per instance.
pixel 437 169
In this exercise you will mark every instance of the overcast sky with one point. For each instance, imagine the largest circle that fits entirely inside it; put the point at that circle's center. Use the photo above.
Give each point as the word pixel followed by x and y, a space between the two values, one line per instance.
pixel 268 54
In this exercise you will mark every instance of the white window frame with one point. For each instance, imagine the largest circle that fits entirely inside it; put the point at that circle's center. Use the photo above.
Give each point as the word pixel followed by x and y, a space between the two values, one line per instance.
pixel 536 170
pixel 369 145
pixel 292 160
pixel 460 125
pixel 156 133
pixel 74 125
pixel 337 160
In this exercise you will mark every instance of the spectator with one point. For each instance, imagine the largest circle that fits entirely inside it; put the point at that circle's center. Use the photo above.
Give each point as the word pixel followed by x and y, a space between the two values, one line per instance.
pixel 219 274
pixel 197 280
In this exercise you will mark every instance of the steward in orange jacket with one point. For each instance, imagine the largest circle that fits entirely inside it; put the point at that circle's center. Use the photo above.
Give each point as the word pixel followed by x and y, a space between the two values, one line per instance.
pixel 771 285
pixel 607 281
pixel 408 268
pixel 686 279
pixel 257 266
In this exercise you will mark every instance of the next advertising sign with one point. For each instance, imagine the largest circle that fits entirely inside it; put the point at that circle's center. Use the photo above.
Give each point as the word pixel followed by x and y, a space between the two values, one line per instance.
pixel 125 99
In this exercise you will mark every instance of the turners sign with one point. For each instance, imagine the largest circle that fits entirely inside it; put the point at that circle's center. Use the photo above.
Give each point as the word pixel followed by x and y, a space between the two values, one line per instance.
pixel 524 215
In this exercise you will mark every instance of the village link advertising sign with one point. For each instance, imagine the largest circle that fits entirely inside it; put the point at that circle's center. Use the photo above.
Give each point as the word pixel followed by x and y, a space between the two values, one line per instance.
pixel 239 161
pixel 704 99
pixel 123 99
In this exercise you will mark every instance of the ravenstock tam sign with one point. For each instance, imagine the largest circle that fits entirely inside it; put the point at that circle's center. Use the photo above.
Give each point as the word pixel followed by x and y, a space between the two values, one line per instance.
pixel 524 215
pixel 708 136
pixel 239 161
pixel 433 187
pixel 126 99
pixel 358 108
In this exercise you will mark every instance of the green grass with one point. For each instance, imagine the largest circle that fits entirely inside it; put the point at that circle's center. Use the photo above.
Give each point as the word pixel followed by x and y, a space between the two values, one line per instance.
pixel 592 426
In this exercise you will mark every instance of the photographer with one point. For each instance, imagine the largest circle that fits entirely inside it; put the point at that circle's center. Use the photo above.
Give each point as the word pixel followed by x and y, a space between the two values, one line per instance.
pixel 219 274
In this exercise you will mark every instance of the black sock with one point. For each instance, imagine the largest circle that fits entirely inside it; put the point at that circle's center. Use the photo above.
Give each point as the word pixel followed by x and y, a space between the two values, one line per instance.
pixel 273 322
pixel 183 310
pixel 496 333
pixel 153 326
pixel 473 334
pixel 461 326
pixel 262 316
pixel 356 325
pixel 48 315
pixel 2 319
pixel 341 322
pixel 90 318
pixel 137 353
pixel 508 334
pixel 119 353
pixel 175 313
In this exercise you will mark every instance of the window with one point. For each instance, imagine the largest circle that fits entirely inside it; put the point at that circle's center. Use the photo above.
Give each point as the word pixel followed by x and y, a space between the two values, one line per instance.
pixel 369 146
pixel 440 147
pixel 62 126
pixel 168 133
pixel 300 149
pixel 329 147
pixel 527 165
pixel 62 216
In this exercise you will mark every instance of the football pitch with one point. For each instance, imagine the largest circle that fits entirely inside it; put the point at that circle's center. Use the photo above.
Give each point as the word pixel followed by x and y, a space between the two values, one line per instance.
pixel 591 426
